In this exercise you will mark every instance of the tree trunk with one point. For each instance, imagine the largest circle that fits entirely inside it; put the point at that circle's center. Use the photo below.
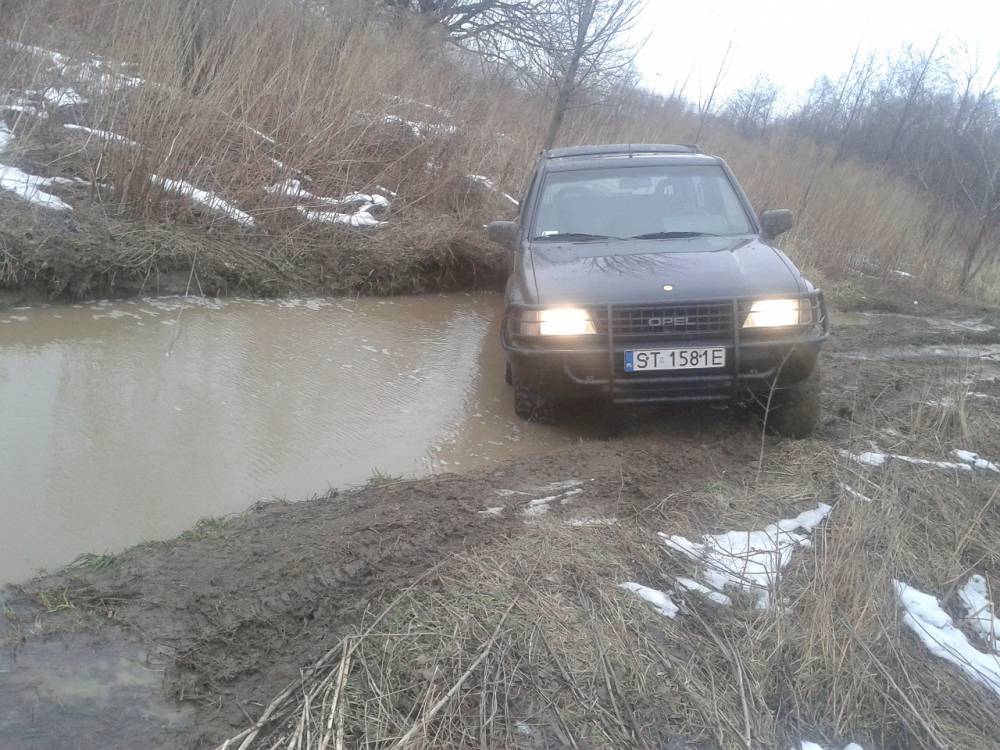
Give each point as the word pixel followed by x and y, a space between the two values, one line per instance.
pixel 904 118
pixel 568 83
pixel 971 250
pixel 558 114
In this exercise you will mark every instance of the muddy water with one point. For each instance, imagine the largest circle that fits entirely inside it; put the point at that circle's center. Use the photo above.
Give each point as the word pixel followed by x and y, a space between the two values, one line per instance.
pixel 84 692
pixel 123 422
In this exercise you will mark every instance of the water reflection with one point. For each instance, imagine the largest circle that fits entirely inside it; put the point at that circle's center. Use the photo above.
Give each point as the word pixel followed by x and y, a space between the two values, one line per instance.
pixel 129 421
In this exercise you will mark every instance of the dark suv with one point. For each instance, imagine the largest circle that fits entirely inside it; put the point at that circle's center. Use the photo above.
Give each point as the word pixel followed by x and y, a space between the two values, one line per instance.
pixel 641 274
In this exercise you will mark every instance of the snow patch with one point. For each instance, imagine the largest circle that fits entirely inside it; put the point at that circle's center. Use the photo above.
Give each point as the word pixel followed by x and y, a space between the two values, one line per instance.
pixel 104 135
pixel 689 584
pixel 750 560
pixel 968 460
pixel 203 198
pixel 63 97
pixel 563 491
pixel 975 598
pixel 29 187
pixel 487 183
pixel 418 128
pixel 26 107
pixel 358 219
pixel 5 136
pixel 922 613
pixel 974 460
pixel 807 745
pixel 661 602
pixel 854 493
pixel 593 522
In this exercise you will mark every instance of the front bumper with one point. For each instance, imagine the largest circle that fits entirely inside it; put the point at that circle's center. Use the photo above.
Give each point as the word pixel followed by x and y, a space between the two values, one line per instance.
pixel 592 366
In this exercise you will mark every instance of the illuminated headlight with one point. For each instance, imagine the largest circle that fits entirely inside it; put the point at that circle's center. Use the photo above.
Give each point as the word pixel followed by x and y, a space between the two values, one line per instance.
pixel 775 313
pixel 558 321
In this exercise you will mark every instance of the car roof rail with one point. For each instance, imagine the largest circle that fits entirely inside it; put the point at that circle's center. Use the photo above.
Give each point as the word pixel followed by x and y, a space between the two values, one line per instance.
pixel 621 149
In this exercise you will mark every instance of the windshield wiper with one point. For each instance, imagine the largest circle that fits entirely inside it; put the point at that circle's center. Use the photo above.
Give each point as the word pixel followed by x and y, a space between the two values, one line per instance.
pixel 574 236
pixel 671 235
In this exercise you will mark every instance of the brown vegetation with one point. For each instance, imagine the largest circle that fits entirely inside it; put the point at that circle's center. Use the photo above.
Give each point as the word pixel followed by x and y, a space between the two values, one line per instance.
pixel 238 97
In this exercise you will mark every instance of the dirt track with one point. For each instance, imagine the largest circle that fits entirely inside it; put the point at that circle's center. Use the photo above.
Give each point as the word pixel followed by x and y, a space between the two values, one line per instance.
pixel 233 611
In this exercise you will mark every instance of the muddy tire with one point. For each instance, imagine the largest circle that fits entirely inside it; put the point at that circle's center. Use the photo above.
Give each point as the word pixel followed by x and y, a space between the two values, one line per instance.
pixel 530 406
pixel 795 408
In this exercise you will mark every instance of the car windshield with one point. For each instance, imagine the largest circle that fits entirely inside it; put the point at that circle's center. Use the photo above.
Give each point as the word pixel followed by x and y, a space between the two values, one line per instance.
pixel 655 202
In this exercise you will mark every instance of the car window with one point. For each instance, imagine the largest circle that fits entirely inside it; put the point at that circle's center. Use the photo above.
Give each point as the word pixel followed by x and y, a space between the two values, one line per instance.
pixel 640 201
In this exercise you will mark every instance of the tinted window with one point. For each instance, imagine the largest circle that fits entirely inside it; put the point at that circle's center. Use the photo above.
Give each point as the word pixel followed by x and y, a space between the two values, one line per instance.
pixel 636 201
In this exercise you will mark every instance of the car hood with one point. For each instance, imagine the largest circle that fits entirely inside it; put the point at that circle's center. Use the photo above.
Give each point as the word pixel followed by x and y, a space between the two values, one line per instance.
pixel 637 270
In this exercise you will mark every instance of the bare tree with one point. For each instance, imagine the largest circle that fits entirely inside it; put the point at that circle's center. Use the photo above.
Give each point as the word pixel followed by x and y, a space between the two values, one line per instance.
pixel 466 20
pixel 916 88
pixel 571 46
pixel 750 108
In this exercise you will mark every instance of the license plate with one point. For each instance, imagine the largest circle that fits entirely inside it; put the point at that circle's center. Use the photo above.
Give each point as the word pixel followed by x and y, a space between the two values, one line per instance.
pixel 642 360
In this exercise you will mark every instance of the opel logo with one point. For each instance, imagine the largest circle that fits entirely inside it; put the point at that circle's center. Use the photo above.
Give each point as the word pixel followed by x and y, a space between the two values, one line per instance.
pixel 680 320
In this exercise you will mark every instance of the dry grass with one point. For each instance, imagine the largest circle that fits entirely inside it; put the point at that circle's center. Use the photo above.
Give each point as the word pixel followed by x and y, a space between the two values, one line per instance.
pixel 529 643
pixel 318 87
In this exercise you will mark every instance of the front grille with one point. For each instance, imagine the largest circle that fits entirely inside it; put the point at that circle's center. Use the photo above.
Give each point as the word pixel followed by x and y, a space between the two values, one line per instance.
pixel 669 321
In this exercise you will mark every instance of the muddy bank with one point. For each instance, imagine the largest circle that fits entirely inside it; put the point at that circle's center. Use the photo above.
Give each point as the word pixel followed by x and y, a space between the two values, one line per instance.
pixel 236 609
pixel 96 254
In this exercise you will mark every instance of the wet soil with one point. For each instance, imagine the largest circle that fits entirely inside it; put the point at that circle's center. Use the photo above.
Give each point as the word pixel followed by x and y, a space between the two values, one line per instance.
pixel 237 609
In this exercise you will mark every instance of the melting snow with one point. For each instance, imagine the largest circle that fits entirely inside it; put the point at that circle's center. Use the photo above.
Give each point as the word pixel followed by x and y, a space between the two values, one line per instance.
pixel 203 198
pixel 975 598
pixel 968 459
pixel 104 135
pixel 358 219
pixel 25 106
pixel 418 128
pixel 28 187
pixel 361 217
pixel 593 522
pixel 924 616
pixel 750 560
pixel 563 491
pixel 5 136
pixel 854 493
pixel 975 461
pixel 689 584
pixel 659 601
pixel 487 183
pixel 63 97
pixel 58 59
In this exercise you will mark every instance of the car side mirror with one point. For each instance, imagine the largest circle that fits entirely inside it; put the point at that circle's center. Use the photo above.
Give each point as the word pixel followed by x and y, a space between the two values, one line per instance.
pixel 776 221
pixel 503 233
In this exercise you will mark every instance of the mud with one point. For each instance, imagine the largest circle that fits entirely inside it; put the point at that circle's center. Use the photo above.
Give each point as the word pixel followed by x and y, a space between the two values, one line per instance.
pixel 236 609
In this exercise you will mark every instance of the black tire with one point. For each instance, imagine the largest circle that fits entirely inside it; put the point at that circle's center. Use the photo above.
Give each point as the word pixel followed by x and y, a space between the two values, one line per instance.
pixel 795 408
pixel 531 406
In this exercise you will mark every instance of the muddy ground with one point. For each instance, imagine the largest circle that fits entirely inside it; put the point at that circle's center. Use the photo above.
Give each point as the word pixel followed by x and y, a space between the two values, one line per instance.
pixel 226 615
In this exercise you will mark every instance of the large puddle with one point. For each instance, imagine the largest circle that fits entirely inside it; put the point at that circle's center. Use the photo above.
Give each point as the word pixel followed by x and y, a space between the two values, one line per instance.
pixel 129 421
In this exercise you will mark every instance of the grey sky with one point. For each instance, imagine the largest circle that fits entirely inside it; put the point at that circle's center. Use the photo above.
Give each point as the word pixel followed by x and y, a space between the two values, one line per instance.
pixel 795 41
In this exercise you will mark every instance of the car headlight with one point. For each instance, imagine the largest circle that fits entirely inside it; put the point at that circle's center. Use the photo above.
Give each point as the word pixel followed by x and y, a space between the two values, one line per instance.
pixel 556 321
pixel 775 313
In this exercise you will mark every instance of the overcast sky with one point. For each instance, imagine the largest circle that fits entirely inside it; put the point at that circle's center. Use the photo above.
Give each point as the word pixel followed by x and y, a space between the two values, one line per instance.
pixel 795 41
